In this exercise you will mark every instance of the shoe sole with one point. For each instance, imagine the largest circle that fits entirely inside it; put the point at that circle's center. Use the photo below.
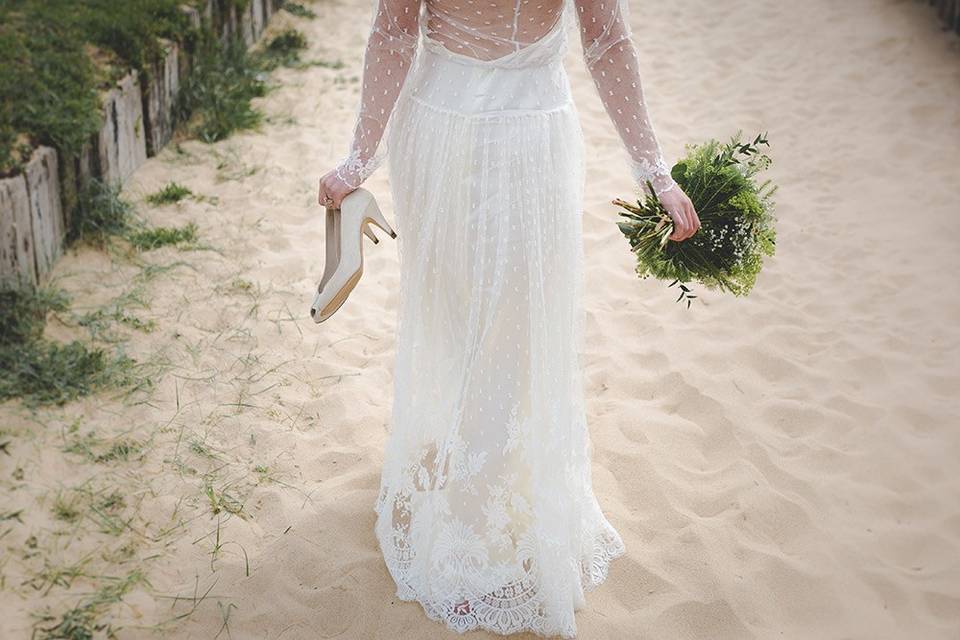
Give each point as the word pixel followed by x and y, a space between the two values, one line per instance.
pixel 337 300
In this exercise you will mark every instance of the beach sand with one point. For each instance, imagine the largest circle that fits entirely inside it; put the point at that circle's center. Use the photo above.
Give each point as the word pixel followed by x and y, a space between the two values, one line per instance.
pixel 779 466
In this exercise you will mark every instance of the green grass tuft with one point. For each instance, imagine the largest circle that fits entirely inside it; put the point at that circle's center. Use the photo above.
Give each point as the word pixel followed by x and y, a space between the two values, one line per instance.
pixel 120 450
pixel 42 371
pixel 171 193
pixel 48 92
pixel 162 236
pixel 297 9
pixel 92 448
pixel 101 212
pixel 67 510
pixel 284 49
pixel 23 312
pixel 75 624
pixel 82 621
pixel 215 99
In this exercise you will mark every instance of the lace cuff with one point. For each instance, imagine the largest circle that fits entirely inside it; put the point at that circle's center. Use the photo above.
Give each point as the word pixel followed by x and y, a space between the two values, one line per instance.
pixel 354 170
pixel 656 172
pixel 614 63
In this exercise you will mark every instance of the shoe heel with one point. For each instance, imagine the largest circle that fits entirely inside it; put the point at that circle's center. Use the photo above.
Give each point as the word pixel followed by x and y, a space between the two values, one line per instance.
pixel 367 231
pixel 376 216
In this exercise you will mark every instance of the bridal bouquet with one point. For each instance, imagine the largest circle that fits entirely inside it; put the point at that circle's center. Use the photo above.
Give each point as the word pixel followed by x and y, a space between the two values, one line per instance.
pixel 736 220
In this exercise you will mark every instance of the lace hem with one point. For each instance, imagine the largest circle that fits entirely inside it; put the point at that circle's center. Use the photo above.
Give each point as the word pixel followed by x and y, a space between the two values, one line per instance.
pixel 515 607
pixel 608 546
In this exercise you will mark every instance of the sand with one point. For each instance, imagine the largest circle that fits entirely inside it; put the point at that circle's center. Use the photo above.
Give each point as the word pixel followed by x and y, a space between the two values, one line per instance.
pixel 780 466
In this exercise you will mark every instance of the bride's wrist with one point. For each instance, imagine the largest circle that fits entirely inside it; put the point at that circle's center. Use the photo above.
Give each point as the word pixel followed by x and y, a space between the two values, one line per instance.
pixel 655 171
pixel 662 186
pixel 348 175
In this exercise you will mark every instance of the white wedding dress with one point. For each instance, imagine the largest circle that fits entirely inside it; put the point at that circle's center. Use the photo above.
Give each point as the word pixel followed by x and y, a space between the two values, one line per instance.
pixel 486 512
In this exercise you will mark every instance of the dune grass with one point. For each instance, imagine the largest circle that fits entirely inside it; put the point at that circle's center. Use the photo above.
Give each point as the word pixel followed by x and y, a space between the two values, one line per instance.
pixel 297 9
pixel 92 448
pixel 103 214
pixel 41 371
pixel 215 100
pixel 47 85
pixel 102 513
pixel 81 622
pixel 171 193
pixel 156 237
pixel 55 56
pixel 284 49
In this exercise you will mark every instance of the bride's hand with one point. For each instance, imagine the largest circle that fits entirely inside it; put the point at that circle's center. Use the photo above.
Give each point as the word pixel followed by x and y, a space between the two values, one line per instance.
pixel 334 188
pixel 681 210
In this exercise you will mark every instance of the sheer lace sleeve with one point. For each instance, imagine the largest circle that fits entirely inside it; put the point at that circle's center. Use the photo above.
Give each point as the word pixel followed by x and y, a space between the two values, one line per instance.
pixel 614 64
pixel 391 47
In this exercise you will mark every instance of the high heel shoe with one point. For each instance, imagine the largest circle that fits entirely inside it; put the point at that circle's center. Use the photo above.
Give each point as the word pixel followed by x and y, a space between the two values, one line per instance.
pixel 333 244
pixel 344 260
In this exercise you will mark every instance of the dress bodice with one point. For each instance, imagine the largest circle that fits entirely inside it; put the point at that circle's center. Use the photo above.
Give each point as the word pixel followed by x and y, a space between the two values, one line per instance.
pixel 487 46
pixel 505 36
pixel 523 78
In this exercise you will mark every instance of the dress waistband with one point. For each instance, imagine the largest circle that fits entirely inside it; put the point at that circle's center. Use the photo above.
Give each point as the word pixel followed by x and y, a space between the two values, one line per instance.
pixel 445 81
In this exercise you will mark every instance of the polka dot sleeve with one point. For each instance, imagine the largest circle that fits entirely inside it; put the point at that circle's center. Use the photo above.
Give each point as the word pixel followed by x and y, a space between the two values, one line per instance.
pixel 613 62
pixel 391 48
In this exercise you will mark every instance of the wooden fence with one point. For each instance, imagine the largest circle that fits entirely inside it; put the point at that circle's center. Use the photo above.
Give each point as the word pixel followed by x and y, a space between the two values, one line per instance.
pixel 949 12
pixel 137 122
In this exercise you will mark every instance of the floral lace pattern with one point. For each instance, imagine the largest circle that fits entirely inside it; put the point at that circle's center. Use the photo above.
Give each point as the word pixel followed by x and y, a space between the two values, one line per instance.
pixel 468 588
pixel 353 170
pixel 656 171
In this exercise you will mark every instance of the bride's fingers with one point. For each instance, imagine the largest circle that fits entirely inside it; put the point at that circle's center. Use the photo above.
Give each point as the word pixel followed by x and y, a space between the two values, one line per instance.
pixel 321 195
pixel 675 235
pixel 694 218
pixel 687 225
pixel 329 196
pixel 680 226
pixel 691 226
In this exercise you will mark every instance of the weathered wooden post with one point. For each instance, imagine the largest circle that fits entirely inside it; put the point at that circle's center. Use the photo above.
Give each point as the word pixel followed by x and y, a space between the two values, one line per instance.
pixel 160 97
pixel 46 212
pixel 122 144
pixel 17 262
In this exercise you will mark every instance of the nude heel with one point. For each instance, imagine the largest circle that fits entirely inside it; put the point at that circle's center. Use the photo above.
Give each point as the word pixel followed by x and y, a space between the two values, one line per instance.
pixel 344 264
pixel 374 215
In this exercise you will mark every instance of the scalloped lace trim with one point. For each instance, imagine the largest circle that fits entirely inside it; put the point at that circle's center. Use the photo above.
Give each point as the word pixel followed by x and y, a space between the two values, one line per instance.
pixel 515 607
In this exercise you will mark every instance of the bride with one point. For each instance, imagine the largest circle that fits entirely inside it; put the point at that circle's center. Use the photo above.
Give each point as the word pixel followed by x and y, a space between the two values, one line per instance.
pixel 486 514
